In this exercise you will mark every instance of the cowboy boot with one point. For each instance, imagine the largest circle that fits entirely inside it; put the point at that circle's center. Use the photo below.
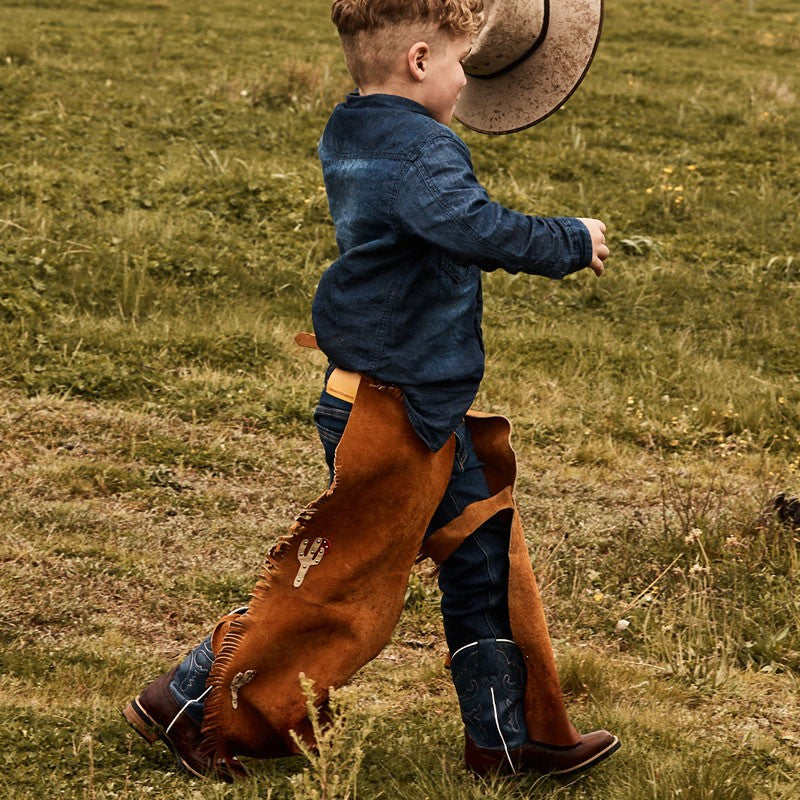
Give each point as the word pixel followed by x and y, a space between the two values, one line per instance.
pixel 171 709
pixel 489 676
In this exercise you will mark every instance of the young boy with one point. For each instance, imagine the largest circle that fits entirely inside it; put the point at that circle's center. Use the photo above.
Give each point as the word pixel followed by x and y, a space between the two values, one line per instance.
pixel 399 317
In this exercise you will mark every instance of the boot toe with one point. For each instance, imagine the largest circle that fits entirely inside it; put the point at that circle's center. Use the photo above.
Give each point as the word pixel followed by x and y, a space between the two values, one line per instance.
pixel 593 748
pixel 538 757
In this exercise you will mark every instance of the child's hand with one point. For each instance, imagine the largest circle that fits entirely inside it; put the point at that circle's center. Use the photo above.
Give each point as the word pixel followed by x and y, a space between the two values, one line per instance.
pixel 600 251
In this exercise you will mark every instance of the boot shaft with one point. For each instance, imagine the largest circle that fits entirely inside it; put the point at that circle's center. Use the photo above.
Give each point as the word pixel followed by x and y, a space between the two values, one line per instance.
pixel 489 677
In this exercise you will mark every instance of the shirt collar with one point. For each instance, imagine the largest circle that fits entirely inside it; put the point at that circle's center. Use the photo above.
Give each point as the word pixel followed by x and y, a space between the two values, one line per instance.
pixel 388 101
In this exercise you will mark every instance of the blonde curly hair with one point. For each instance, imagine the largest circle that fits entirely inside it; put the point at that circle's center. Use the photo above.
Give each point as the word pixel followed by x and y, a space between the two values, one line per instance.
pixel 374 32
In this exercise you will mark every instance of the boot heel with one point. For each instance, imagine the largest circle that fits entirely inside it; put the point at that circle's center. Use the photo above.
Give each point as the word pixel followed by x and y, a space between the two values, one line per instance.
pixel 140 721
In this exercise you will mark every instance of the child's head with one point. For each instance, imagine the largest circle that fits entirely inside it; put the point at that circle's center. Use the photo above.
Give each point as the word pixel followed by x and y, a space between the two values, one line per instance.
pixel 411 44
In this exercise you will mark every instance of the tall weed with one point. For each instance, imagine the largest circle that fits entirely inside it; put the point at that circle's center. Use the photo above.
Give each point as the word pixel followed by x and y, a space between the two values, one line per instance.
pixel 335 760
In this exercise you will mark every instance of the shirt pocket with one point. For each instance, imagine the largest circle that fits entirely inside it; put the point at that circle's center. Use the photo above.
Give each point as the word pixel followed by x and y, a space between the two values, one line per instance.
pixel 458 272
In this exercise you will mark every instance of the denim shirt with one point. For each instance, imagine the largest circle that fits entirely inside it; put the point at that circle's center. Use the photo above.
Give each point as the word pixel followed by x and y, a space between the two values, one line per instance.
pixel 414 228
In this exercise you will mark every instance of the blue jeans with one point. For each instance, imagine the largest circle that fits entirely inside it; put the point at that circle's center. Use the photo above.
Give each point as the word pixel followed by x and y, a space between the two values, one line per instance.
pixel 473 580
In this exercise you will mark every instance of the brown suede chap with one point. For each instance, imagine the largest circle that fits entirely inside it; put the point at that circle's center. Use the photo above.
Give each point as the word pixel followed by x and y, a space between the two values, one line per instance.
pixel 386 488
pixel 545 714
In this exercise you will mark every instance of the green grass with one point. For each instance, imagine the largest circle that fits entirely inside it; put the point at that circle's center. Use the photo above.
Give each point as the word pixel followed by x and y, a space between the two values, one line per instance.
pixel 162 230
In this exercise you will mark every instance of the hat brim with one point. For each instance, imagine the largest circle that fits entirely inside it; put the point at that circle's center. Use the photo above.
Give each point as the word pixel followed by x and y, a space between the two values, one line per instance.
pixel 538 86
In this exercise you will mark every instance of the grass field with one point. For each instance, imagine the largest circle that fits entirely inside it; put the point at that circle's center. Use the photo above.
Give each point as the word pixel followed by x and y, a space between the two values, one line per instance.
pixel 162 229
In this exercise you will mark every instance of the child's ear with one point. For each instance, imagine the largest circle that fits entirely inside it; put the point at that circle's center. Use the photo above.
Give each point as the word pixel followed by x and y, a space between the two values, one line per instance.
pixel 418 55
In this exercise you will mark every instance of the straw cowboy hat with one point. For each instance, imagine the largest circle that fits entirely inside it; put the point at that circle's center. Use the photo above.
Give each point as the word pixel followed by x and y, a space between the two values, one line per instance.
pixel 528 57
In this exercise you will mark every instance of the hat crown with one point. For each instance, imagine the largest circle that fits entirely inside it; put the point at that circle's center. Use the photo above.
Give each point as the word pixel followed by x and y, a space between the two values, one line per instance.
pixel 510 29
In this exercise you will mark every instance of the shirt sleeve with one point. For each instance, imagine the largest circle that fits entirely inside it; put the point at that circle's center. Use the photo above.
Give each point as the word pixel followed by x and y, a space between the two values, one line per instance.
pixel 440 200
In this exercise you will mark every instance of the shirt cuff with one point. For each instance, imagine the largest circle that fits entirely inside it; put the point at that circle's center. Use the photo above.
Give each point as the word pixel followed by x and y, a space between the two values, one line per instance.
pixel 581 242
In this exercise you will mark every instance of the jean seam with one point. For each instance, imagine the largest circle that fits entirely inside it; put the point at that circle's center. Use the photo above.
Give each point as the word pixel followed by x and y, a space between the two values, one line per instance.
pixel 489 569
pixel 494 578
pixel 461 454
pixel 458 509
